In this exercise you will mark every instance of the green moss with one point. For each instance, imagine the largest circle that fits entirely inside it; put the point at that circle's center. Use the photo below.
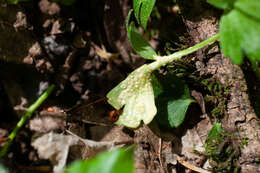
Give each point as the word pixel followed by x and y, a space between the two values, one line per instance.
pixel 222 150
pixel 216 99
pixel 244 142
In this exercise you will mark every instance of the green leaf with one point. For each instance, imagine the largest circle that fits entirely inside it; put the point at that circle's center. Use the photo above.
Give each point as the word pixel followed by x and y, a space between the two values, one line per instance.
pixel 177 110
pixel 172 99
pixel 78 166
pixel 240 33
pixel 140 45
pixel 143 10
pixel 240 29
pixel 116 161
pixel 250 33
pixel 136 94
pixel 214 136
pixel 223 4
pixel 215 131
pixel 251 8
pixel 230 38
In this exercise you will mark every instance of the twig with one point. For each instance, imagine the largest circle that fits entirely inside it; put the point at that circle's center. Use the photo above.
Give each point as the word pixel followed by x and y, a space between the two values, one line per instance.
pixel 160 155
pixel 97 144
pixel 24 118
pixel 190 166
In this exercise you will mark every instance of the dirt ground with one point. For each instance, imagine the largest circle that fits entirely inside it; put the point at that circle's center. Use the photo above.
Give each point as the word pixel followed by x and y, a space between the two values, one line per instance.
pixel 83 49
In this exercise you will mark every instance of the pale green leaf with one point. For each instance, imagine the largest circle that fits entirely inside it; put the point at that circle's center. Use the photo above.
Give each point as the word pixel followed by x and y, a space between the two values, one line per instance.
pixel 140 107
pixel 116 161
pixel 143 9
pixel 135 93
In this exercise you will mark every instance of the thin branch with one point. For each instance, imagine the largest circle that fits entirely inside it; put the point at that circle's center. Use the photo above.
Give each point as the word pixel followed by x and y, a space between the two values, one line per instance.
pixel 24 119
pixel 190 166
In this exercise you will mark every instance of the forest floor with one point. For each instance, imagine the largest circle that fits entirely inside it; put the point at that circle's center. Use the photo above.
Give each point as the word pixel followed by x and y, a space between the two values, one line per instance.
pixel 83 49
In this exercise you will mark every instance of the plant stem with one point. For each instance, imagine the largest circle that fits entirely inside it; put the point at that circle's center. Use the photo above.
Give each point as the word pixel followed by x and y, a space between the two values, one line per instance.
pixel 163 60
pixel 24 118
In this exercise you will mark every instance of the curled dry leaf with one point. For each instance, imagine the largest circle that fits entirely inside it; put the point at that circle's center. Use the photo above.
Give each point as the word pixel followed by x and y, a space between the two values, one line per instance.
pixel 54 147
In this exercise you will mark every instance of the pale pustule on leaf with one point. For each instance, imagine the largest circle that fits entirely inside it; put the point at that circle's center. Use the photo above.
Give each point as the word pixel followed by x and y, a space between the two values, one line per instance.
pixel 135 93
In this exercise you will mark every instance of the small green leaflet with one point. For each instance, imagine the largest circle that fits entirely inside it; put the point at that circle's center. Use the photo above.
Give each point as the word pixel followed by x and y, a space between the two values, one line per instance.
pixel 215 131
pixel 135 93
pixel 140 45
pixel 172 99
pixel 116 161
pixel 142 10
pixel 240 31
pixel 214 136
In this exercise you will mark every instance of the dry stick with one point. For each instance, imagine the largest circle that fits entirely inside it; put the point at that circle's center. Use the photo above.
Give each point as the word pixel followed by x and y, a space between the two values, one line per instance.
pixel 24 118
pixel 160 155
pixel 101 143
pixel 190 166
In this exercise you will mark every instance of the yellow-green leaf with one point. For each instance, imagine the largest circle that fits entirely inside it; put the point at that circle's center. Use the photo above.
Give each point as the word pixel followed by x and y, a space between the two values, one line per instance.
pixel 135 93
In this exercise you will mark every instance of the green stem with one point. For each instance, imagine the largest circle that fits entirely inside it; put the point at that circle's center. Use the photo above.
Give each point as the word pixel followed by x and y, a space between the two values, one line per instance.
pixel 24 118
pixel 163 60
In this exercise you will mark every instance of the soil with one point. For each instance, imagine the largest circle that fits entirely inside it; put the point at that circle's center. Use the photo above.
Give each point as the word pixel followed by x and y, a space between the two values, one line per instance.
pixel 83 49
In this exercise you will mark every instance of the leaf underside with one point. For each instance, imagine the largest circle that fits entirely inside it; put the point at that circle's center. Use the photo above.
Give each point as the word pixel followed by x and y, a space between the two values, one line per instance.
pixel 135 93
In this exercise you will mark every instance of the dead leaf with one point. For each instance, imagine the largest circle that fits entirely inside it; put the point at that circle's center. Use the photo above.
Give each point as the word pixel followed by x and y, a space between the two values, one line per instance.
pixel 55 147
